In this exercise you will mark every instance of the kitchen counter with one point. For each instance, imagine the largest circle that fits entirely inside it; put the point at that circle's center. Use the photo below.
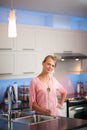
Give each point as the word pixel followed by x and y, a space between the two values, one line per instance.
pixel 61 123
pixel 76 96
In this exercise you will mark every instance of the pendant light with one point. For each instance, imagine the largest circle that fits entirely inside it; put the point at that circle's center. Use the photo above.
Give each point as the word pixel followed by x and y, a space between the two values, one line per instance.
pixel 12 32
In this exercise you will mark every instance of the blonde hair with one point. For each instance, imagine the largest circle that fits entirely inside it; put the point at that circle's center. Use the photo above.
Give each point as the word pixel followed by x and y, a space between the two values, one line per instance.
pixel 52 57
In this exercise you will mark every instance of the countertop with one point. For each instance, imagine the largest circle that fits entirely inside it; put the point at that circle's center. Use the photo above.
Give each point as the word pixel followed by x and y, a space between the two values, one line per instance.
pixel 76 96
pixel 62 123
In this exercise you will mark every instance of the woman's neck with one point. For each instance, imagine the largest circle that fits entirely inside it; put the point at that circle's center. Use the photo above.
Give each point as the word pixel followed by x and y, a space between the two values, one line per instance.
pixel 44 77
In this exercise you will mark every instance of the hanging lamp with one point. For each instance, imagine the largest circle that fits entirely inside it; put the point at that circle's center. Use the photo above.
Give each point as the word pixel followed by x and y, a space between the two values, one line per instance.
pixel 12 31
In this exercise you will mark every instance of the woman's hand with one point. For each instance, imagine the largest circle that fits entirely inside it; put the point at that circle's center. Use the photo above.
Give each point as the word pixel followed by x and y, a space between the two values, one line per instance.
pixel 47 112
pixel 59 106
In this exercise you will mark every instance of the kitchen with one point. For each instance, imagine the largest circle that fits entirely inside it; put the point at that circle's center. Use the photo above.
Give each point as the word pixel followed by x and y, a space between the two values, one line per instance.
pixel 13 60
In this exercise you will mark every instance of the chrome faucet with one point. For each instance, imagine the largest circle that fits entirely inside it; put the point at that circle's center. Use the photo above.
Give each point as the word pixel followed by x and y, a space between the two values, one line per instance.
pixel 8 115
pixel 9 107
pixel 10 94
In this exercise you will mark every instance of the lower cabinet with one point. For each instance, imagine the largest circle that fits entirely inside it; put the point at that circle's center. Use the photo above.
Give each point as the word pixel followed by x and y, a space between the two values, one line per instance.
pixel 64 110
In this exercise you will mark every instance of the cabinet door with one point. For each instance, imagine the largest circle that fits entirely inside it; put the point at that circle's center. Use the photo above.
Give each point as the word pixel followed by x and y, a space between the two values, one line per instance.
pixel 25 62
pixel 64 110
pixel 82 41
pixel 5 42
pixel 45 40
pixel 6 62
pixel 26 38
pixel 66 40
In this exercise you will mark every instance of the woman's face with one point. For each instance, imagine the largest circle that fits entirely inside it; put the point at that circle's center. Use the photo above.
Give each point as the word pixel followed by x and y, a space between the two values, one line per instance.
pixel 48 65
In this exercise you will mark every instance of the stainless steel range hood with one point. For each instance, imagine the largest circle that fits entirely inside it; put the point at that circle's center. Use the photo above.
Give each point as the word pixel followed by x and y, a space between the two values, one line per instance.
pixel 70 56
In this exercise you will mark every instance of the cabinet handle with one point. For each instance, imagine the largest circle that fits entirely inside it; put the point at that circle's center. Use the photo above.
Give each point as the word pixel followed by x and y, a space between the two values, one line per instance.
pixel 5 74
pixel 5 49
pixel 27 49
pixel 28 72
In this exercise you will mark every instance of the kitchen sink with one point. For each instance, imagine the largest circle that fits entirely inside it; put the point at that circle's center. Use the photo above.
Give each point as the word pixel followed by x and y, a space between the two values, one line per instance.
pixel 33 119
pixel 20 114
pixel 23 120
pixel 17 114
pixel 26 122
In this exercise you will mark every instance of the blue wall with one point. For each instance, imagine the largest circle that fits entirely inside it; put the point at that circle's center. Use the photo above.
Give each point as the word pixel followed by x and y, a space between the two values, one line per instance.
pixel 45 19
pixel 74 78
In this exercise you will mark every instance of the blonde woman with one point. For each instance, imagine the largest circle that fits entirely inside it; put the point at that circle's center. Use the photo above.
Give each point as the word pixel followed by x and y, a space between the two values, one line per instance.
pixel 43 90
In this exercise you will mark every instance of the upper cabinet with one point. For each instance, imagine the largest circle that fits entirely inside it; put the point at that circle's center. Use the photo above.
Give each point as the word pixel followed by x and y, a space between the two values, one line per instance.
pixel 25 62
pixel 26 38
pixel 23 55
pixel 6 63
pixel 70 40
pixel 5 42
pixel 45 39
pixel 82 41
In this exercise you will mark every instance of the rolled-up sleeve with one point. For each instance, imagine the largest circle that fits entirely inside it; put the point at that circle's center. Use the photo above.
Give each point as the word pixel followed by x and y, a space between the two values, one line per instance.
pixel 32 94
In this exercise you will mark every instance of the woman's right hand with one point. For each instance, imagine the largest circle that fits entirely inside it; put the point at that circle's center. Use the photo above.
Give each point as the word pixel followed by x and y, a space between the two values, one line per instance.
pixel 47 112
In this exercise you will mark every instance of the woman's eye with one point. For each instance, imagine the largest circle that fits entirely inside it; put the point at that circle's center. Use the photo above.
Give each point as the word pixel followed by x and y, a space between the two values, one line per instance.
pixel 51 65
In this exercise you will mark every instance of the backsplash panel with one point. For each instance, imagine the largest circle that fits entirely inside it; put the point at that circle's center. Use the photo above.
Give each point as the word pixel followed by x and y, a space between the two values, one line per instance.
pixel 67 80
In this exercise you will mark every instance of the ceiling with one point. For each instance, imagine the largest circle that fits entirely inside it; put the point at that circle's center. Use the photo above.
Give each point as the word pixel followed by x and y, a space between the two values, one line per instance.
pixel 65 7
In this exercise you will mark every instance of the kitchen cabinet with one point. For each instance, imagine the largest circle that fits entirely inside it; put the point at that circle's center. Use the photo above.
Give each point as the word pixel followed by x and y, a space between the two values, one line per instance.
pixel 25 62
pixel 5 42
pixel 26 38
pixel 71 41
pixel 82 41
pixel 45 40
pixel 23 55
pixel 6 63
pixel 64 110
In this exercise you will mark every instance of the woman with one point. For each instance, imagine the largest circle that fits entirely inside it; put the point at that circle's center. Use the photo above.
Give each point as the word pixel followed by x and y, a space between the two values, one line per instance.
pixel 43 90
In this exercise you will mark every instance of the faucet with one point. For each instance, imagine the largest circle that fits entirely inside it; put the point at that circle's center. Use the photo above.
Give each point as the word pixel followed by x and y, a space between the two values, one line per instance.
pixel 11 99
pixel 9 106
pixel 8 115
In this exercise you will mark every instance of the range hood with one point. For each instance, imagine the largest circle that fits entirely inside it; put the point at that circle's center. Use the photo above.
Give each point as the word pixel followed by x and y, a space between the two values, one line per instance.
pixel 70 56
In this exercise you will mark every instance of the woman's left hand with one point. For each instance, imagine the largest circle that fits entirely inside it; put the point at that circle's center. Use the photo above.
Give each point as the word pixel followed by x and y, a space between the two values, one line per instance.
pixel 59 106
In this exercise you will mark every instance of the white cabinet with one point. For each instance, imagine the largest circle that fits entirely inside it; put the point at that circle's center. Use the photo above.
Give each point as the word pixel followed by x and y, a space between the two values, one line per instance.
pixel 6 63
pixel 25 62
pixel 71 40
pixel 26 38
pixel 45 40
pixel 5 42
pixel 82 41
pixel 18 55
pixel 64 110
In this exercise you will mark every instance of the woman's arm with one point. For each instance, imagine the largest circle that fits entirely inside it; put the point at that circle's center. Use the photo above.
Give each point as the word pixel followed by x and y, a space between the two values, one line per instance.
pixel 38 108
pixel 63 97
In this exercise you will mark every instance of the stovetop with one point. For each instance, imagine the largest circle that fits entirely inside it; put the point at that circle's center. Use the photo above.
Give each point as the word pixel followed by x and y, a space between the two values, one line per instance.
pixel 74 97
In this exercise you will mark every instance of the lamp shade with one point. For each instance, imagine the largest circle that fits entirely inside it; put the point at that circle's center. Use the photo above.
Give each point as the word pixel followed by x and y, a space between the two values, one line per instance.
pixel 12 32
